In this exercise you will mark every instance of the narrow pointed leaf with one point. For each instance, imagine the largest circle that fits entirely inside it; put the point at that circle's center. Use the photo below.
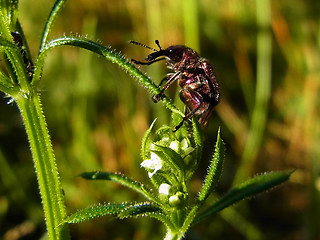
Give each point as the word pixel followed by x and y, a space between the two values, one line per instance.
pixel 145 148
pixel 95 211
pixel 248 189
pixel 15 62
pixel 157 180
pixel 146 210
pixel 53 14
pixel 197 136
pixel 189 219
pixel 139 209
pixel 9 11
pixel 118 178
pixel 173 157
pixel 5 43
pixel 215 170
pixel 121 210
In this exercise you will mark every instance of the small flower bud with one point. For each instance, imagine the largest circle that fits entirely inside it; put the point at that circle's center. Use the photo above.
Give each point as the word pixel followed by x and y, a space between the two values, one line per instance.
pixel 176 199
pixel 164 189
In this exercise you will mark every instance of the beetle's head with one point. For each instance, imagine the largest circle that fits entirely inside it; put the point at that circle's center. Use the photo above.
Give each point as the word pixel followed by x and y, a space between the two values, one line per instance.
pixel 175 53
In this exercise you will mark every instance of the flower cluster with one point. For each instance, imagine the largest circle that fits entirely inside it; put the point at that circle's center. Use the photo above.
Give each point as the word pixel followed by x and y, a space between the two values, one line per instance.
pixel 155 162
pixel 167 159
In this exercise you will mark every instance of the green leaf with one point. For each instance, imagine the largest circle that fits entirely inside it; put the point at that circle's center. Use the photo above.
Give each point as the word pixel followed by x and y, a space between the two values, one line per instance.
pixel 122 210
pixel 146 210
pixel 197 136
pixel 247 189
pixel 53 14
pixel 171 157
pixel 189 218
pixel 157 179
pixel 145 146
pixel 118 178
pixel 139 209
pixel 7 86
pixel 215 170
pixel 96 211
pixel 5 43
pixel 9 11
pixel 198 140
pixel 15 62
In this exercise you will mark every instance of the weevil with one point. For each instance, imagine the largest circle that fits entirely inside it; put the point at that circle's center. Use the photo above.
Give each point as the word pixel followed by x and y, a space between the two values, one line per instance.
pixel 195 75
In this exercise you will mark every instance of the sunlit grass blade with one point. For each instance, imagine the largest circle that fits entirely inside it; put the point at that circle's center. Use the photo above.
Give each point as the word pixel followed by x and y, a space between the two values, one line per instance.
pixel 263 90
pixel 247 189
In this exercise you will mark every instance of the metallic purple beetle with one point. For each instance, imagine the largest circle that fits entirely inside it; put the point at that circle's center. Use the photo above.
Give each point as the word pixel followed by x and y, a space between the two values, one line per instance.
pixel 195 75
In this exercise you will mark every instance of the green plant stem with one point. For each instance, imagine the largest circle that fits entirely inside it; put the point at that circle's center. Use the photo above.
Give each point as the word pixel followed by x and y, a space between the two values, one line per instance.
pixel 109 54
pixel 45 164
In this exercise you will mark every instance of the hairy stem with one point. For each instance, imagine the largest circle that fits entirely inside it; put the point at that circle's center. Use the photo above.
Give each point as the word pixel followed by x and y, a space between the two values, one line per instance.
pixel 45 164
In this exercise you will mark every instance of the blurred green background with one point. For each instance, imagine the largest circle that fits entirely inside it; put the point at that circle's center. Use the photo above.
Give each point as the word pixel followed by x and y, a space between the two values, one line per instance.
pixel 97 114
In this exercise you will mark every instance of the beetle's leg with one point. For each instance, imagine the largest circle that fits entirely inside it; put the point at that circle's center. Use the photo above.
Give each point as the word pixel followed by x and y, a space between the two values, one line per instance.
pixel 157 98
pixel 166 78
pixel 186 117
pixel 194 101
pixel 147 63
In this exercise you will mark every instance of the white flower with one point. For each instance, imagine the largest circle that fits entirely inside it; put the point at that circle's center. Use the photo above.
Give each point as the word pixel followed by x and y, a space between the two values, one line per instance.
pixel 174 145
pixel 185 147
pixel 154 163
pixel 164 188
pixel 184 144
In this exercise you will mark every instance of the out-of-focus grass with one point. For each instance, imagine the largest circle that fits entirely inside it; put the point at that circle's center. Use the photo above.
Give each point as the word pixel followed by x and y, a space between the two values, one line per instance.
pixel 97 114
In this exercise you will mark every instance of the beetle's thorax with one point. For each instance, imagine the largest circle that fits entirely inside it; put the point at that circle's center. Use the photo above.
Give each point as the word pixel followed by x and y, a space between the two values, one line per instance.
pixel 189 60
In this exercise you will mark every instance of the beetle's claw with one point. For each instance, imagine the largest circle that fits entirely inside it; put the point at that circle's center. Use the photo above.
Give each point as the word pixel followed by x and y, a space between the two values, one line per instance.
pixel 157 98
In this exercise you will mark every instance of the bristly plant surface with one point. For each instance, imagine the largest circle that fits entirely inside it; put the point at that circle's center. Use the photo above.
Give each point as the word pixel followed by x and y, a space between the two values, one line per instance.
pixel 169 158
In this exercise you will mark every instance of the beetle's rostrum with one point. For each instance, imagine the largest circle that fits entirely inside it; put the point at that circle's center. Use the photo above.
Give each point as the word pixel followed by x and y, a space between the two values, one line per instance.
pixel 195 75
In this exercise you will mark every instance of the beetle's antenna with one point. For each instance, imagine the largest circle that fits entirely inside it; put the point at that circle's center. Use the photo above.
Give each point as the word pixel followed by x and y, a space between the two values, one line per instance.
pixel 158 44
pixel 142 45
